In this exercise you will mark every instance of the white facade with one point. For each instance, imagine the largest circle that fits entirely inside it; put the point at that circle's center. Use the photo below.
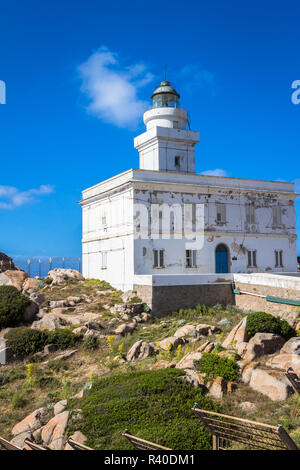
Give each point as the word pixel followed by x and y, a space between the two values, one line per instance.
pixel 254 221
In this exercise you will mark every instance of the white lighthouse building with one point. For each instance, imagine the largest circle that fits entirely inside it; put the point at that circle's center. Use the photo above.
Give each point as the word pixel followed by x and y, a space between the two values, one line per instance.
pixel 177 237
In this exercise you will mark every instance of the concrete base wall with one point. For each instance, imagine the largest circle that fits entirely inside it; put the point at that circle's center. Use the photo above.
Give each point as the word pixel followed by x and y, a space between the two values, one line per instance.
pixel 166 299
pixel 258 304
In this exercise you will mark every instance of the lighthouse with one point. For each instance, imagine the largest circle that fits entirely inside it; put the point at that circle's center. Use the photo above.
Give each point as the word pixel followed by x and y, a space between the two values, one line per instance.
pixel 167 144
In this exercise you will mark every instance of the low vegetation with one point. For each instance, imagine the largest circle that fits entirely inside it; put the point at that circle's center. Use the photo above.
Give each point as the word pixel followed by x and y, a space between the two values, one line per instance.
pixel 25 341
pixel 154 405
pixel 214 366
pixel 12 306
pixel 261 322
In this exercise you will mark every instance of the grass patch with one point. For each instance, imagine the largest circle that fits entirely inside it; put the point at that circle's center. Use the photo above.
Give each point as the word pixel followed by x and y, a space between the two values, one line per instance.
pixel 154 405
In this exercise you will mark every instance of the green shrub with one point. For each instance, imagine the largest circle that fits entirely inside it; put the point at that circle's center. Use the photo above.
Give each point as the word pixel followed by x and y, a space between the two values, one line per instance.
pixel 24 341
pixel 63 338
pixel 18 400
pixel 215 366
pixel 261 322
pixel 154 405
pixel 12 306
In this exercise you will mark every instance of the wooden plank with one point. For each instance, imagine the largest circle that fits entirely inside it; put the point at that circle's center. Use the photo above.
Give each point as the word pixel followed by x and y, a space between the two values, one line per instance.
pixel 288 441
pixel 251 433
pixel 139 443
pixel 196 408
pixel 77 445
pixel 33 445
pixel 293 379
pixel 7 445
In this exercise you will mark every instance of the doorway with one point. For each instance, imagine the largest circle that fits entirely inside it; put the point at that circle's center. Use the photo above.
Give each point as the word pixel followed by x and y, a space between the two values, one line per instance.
pixel 222 256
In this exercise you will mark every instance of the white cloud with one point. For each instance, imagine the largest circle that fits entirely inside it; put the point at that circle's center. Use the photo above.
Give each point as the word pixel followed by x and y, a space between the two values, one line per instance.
pixel 216 172
pixel 112 88
pixel 11 197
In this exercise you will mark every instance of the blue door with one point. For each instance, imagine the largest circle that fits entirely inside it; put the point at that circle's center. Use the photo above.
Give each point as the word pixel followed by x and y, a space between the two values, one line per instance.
pixel 222 259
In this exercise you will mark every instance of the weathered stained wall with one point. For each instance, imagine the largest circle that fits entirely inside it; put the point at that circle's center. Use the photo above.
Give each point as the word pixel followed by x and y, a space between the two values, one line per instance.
pixel 167 299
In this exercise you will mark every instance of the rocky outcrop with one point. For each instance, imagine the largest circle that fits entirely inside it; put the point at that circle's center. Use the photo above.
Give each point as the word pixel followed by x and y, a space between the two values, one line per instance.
pixel 292 346
pixel 60 276
pixel 49 322
pixel 6 263
pixel 13 278
pixel 32 422
pixel 53 431
pixel 125 328
pixel 170 343
pixel 261 344
pixel 271 383
pixel 140 350
pixel 218 388
pixel 284 361
pixel 237 335
pixel 187 362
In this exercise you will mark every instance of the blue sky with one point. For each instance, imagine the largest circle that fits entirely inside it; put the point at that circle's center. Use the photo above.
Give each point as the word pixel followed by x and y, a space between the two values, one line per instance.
pixel 79 74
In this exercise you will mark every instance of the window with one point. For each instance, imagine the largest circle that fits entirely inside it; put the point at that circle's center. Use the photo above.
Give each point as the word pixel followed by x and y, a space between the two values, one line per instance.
pixel 276 216
pixel 176 124
pixel 252 259
pixel 250 214
pixel 104 260
pixel 221 213
pixel 158 258
pixel 104 220
pixel 278 259
pixel 191 258
pixel 177 162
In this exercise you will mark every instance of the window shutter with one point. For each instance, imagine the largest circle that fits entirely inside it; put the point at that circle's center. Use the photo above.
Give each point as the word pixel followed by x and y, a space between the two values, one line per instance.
pixel 161 254
pixel 194 258
pixel 155 258
pixel 254 258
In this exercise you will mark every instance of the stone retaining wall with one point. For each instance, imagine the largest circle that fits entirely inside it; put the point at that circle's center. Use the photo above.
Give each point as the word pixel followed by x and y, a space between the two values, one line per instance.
pixel 167 299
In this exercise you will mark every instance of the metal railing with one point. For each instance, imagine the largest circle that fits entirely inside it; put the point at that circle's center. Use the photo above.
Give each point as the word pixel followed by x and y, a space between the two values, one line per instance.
pixel 41 267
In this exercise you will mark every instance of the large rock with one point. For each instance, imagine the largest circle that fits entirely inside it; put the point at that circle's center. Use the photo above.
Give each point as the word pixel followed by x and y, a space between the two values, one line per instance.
pixel 20 438
pixel 162 365
pixel 261 344
pixel 218 388
pixel 59 407
pixel 292 346
pixel 173 341
pixel 237 335
pixel 31 284
pixel 194 379
pixel 284 361
pixel 247 371
pixel 187 362
pixel 53 431
pixel 271 383
pixel 140 350
pixel 185 330
pixel 61 276
pixel 32 422
pixel 49 322
pixel 125 329
pixel 13 278
pixel 6 263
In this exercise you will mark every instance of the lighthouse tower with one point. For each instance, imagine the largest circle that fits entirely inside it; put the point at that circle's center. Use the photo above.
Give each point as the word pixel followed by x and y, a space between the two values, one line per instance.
pixel 167 145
